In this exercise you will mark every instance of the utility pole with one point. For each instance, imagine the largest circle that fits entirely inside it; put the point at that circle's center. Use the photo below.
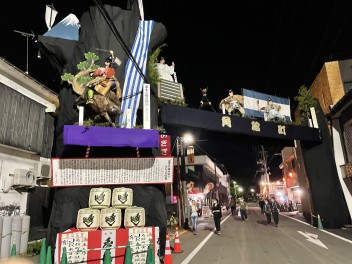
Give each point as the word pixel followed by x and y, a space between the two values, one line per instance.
pixel 184 184
pixel 180 171
pixel 263 162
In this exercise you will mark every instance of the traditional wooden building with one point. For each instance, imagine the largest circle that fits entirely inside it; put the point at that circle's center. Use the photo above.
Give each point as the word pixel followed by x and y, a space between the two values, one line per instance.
pixel 27 114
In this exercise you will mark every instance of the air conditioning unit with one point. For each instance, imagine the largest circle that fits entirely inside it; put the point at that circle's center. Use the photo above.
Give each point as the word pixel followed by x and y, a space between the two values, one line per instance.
pixel 42 168
pixel 24 177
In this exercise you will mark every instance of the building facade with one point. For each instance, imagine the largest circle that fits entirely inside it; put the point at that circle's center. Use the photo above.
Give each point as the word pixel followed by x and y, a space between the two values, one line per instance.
pixel 27 113
pixel 332 89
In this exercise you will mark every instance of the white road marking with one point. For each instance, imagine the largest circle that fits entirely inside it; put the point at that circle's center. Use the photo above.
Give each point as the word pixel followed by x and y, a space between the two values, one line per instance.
pixel 327 232
pixel 313 238
pixel 196 250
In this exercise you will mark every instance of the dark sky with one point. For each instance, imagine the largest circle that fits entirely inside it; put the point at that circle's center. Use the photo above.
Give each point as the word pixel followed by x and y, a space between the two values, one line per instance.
pixel 272 47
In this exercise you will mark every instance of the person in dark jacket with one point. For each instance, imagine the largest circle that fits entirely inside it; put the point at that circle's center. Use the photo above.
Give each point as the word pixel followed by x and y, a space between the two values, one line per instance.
pixel 217 214
pixel 261 205
pixel 243 207
pixel 275 207
pixel 267 212
pixel 233 206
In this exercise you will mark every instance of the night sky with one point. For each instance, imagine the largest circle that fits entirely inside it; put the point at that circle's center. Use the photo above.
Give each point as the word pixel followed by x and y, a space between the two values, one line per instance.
pixel 272 47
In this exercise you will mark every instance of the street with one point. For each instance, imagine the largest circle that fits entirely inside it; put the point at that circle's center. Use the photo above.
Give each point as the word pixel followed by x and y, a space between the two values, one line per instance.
pixel 252 241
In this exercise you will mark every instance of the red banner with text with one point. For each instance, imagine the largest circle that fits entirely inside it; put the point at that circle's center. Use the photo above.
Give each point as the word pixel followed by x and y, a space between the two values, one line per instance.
pixel 165 145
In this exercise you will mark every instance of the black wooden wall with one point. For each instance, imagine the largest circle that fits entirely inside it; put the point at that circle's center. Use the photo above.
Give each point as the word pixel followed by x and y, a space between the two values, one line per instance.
pixel 24 123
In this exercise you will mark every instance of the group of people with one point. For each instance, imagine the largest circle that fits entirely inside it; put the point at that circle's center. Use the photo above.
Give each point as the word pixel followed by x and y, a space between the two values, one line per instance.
pixel 242 208
pixel 216 211
pixel 270 208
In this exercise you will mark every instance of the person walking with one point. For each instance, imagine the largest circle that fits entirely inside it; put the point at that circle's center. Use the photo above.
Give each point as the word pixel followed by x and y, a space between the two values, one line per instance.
pixel 194 216
pixel 243 209
pixel 275 207
pixel 261 205
pixel 217 214
pixel 233 206
pixel 267 212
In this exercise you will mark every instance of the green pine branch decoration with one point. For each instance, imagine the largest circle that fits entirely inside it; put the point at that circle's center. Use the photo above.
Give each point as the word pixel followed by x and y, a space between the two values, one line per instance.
pixel 305 102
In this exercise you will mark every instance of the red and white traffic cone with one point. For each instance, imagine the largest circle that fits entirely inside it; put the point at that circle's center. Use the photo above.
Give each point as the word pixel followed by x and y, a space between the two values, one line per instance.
pixel 168 256
pixel 177 244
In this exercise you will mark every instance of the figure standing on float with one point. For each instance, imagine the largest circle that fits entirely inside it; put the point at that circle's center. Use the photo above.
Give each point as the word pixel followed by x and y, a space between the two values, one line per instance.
pixel 165 71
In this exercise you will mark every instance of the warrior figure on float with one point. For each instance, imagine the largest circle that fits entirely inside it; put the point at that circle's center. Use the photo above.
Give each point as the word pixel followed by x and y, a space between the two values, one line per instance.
pixel 97 86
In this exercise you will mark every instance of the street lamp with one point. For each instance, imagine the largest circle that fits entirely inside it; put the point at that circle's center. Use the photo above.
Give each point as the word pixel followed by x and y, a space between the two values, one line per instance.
pixel 188 139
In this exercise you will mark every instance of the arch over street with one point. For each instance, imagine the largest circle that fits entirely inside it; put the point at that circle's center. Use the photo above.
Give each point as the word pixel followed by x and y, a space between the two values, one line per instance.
pixel 319 166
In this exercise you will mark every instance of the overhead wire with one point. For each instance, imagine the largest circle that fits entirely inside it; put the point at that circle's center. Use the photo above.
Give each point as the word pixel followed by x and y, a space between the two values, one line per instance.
pixel 204 152
pixel 118 36
pixel 272 156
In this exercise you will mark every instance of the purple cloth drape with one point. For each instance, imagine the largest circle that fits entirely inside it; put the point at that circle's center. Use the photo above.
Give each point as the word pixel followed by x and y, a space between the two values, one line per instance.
pixel 110 136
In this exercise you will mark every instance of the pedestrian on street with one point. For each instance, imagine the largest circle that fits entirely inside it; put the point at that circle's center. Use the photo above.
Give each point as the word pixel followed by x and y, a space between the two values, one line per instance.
pixel 233 206
pixel 243 209
pixel 194 216
pixel 267 212
pixel 275 207
pixel 261 204
pixel 217 214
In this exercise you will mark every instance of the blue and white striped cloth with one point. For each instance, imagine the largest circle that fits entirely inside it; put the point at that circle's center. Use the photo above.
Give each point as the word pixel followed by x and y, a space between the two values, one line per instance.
pixel 253 101
pixel 133 85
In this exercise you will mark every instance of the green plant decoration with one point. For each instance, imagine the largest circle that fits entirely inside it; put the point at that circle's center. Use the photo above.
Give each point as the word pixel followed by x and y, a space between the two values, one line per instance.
pixel 153 60
pixel 305 102
pixel 173 102
pixel 83 65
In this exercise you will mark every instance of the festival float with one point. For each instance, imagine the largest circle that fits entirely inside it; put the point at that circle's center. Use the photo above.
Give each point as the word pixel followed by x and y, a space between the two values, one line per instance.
pixel 101 142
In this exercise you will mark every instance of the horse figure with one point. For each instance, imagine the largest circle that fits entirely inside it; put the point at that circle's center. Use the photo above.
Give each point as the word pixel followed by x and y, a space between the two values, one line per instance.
pixel 104 101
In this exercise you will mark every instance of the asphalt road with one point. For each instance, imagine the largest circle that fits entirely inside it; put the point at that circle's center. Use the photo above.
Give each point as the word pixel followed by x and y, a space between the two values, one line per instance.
pixel 292 242
pixel 252 242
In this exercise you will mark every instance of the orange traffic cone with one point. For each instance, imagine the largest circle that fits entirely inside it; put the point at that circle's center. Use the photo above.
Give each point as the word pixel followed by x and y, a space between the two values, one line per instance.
pixel 177 245
pixel 168 256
